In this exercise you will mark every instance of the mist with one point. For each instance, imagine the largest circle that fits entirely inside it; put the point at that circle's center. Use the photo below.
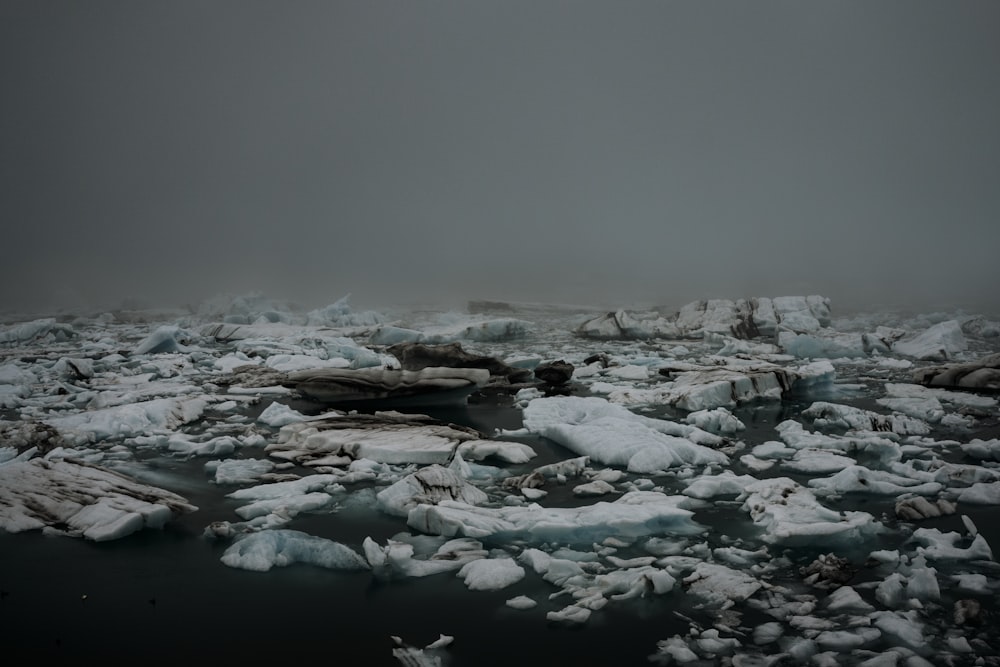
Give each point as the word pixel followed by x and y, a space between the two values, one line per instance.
pixel 572 152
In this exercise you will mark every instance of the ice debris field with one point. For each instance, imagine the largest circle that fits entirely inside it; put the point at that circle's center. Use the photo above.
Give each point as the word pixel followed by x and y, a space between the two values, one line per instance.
pixel 808 488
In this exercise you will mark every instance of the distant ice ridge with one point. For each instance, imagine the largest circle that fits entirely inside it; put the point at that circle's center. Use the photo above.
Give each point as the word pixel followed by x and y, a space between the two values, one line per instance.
pixel 255 308
pixel 797 325
pixel 467 329
pixel 742 318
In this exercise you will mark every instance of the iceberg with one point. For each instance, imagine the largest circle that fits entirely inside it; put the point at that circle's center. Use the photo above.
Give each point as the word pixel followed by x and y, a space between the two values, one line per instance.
pixel 430 386
pixel 940 342
pixel 261 551
pixel 634 514
pixel 612 435
pixel 790 515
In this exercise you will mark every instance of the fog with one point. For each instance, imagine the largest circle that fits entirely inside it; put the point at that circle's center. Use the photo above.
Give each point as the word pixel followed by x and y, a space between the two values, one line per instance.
pixel 576 152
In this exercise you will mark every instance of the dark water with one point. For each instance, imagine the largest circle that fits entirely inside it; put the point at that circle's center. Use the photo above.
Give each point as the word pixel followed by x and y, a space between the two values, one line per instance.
pixel 164 596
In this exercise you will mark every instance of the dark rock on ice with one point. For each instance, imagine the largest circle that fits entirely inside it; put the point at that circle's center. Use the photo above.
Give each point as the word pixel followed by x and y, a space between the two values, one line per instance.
pixel 252 375
pixel 983 374
pixel 918 507
pixel 555 372
pixel 429 386
pixel 418 356
pixel 967 612
pixel 828 571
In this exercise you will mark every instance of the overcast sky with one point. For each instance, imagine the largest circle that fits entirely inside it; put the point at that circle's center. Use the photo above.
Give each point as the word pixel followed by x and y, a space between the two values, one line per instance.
pixel 584 152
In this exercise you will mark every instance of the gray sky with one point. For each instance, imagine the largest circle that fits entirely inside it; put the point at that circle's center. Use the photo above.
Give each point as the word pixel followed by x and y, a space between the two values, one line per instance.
pixel 577 151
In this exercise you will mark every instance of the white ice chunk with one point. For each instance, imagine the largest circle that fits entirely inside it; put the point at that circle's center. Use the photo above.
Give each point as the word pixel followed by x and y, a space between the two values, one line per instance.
pixel 167 338
pixel 823 345
pixel 430 484
pixel 491 574
pixel 943 546
pixel 817 462
pixel 846 416
pixel 612 435
pixel 278 414
pixel 635 514
pixel 901 628
pixel 981 493
pixel 846 600
pixel 239 471
pixel 940 342
pixel 725 484
pixel 279 548
pixel 719 420
pixel 791 515
pixel 720 586
pixel 859 479
pixel 122 421
pixel 508 452
pixel 521 602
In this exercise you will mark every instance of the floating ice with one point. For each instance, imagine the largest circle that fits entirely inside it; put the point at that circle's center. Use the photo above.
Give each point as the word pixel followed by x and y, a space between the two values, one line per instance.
pixel 491 574
pixel 612 435
pixel 719 420
pixel 399 558
pixel 845 416
pixel 279 548
pixel 82 500
pixel 719 586
pixel 940 342
pixel 36 331
pixel 385 437
pixel 936 545
pixel 826 345
pixel 859 479
pixel 710 486
pixel 430 484
pixel 239 471
pixel 790 515
pixel 167 338
pixel 635 513
pixel 122 421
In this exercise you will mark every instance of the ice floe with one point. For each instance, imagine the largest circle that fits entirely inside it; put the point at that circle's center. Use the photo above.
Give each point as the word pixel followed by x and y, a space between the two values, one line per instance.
pixel 81 500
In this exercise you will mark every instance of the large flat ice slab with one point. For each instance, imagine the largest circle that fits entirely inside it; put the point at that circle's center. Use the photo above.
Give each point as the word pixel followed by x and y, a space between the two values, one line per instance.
pixel 613 435
pixel 81 500
pixel 635 514
pixel 386 437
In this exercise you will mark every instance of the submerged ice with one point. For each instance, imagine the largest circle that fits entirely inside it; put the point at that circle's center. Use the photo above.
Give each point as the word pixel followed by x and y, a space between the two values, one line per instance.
pixel 799 487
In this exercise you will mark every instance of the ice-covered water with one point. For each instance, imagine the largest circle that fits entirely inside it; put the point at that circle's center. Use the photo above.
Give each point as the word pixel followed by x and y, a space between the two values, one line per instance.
pixel 771 521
